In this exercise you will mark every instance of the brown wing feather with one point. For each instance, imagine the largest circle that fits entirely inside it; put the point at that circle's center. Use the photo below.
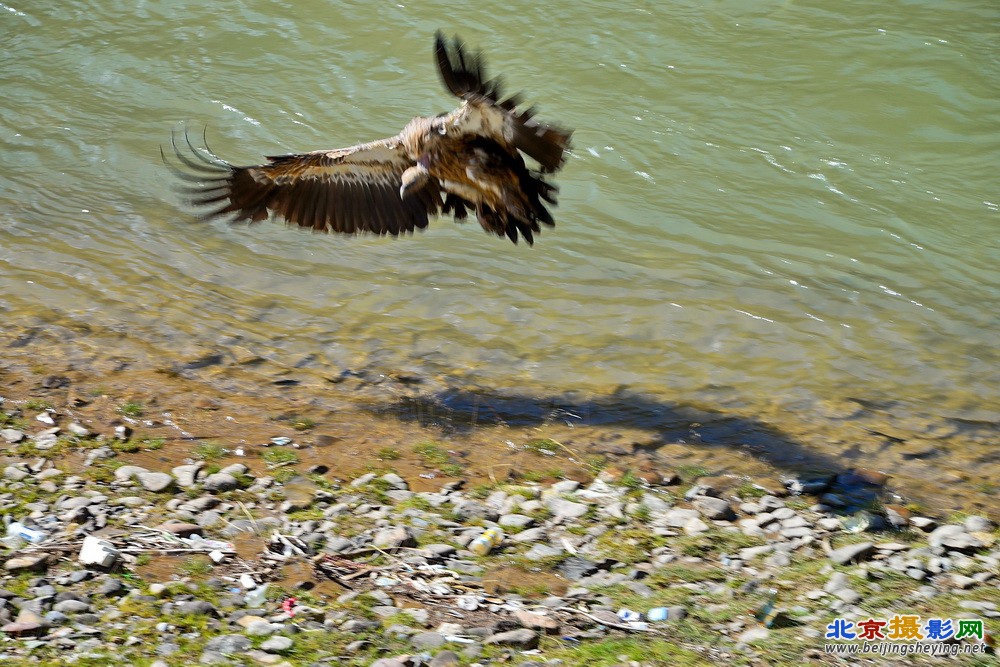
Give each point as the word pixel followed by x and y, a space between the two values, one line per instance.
pixel 349 190
pixel 464 75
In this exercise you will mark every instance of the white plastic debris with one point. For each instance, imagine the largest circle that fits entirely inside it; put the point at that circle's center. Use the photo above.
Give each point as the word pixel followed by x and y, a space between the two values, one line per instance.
pixel 217 556
pixel 96 551
pixel 256 597
pixel 247 582
pixel 46 418
pixel 32 535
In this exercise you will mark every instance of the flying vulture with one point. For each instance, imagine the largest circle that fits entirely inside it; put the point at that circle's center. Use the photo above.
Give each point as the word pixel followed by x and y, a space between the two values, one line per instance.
pixel 471 159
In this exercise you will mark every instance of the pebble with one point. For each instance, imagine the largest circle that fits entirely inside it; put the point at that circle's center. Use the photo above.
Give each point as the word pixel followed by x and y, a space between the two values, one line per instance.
pixel 581 533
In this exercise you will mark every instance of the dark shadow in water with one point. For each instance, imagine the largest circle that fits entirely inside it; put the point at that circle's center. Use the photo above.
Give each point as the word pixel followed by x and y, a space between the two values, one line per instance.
pixel 462 410
pixel 458 410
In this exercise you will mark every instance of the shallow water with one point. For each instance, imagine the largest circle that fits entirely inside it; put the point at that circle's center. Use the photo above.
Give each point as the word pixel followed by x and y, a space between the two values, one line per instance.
pixel 771 208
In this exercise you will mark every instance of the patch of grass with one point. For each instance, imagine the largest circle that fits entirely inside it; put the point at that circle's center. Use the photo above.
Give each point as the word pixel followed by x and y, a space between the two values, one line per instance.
pixel 798 503
pixel 690 473
pixel 617 651
pixel 452 470
pixel 125 446
pixel 152 444
pixel 416 502
pixel 8 420
pixel 208 451
pixel 195 566
pixel 631 545
pixel 715 542
pixel 542 446
pixel 532 475
pixel 143 559
pixel 283 475
pixel 671 573
pixel 750 490
pixel 595 463
pixel 481 491
pixel 387 454
pixel 280 456
pixel 37 404
pixel 133 409
pixel 642 513
pixel 630 481
pixel 311 514
pixel 303 423
pixel 104 472
pixel 431 453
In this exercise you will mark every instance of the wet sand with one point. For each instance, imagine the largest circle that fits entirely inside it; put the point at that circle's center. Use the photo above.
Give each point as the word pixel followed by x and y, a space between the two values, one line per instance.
pixel 362 419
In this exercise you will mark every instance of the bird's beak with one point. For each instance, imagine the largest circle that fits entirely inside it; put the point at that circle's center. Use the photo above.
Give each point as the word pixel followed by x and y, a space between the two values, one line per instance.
pixel 413 179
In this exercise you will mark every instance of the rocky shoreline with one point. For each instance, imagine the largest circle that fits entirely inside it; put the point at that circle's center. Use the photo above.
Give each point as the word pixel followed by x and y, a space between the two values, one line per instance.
pixel 213 564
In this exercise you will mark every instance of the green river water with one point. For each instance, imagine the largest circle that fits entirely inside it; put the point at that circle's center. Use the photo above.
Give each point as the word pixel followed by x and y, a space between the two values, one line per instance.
pixel 786 209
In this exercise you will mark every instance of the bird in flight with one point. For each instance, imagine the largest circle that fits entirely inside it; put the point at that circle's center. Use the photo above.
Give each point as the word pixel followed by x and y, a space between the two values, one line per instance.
pixel 472 159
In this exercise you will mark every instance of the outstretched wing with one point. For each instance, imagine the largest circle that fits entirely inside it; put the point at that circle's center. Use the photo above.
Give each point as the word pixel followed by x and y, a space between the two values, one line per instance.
pixel 349 190
pixel 464 75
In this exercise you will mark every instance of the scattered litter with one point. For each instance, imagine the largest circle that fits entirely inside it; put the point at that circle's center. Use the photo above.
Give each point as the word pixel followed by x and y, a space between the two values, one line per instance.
pixel 628 615
pixel 658 614
pixel 858 522
pixel 767 613
pixel 32 535
pixel 288 606
pixel 281 441
pixel 96 551
pixel 486 542
pixel 256 597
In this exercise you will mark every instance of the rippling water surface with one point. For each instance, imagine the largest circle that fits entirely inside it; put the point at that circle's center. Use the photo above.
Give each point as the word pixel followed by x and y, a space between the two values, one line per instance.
pixel 769 204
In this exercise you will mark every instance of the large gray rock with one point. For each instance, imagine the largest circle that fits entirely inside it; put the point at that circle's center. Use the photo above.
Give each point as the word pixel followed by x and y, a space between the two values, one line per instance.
pixel 125 473
pixel 561 507
pixel 678 517
pixel 187 475
pixel 427 640
pixel 228 644
pixel 11 435
pixel 517 521
pixel 155 481
pixel 391 538
pixel 852 552
pixel 522 639
pixel 277 645
pixel 220 481
pixel 714 508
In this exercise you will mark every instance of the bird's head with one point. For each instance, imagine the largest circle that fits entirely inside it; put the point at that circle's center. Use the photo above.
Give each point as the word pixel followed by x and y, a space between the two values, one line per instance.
pixel 413 179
